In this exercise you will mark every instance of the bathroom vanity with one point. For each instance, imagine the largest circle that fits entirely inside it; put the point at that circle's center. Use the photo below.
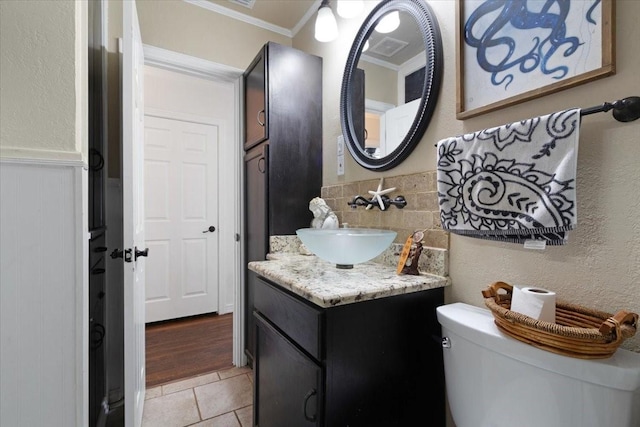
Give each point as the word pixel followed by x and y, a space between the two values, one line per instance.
pixel 358 347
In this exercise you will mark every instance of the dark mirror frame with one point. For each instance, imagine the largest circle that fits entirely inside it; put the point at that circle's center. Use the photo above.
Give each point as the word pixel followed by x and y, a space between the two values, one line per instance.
pixel 426 21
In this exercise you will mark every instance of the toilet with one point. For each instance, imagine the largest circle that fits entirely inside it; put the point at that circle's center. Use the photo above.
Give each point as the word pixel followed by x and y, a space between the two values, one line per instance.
pixel 494 380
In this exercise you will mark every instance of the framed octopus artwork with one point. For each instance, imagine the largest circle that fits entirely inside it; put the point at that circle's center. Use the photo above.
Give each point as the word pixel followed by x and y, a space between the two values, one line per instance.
pixel 510 51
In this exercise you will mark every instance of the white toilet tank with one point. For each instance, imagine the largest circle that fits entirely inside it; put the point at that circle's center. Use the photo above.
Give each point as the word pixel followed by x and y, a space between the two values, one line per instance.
pixel 496 381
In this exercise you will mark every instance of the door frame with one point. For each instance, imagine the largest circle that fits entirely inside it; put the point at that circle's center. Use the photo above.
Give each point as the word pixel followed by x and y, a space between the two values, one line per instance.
pixel 174 61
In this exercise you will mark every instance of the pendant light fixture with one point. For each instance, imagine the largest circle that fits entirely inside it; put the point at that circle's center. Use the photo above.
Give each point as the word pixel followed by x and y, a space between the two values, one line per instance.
pixel 350 8
pixel 389 23
pixel 326 25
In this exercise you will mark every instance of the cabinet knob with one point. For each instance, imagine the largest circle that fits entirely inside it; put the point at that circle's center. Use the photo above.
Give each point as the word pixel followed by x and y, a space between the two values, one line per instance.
pixel 260 122
pixel 311 393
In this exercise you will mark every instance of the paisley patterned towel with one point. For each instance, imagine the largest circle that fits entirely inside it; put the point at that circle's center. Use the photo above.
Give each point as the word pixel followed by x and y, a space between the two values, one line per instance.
pixel 512 183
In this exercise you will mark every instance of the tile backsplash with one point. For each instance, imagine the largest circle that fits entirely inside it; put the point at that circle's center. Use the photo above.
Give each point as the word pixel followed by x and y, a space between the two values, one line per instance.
pixel 421 212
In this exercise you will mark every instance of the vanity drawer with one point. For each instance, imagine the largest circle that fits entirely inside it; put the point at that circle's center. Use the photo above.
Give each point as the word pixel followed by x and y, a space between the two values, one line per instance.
pixel 298 320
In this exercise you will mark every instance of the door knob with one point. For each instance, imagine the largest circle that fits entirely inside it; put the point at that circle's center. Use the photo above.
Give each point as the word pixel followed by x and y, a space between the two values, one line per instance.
pixel 139 253
pixel 211 229
pixel 124 254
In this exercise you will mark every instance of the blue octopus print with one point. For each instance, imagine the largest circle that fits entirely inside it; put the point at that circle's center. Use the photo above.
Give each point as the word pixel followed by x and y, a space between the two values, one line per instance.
pixel 543 42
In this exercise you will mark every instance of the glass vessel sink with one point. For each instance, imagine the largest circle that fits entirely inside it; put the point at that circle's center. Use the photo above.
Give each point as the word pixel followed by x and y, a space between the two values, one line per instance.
pixel 346 246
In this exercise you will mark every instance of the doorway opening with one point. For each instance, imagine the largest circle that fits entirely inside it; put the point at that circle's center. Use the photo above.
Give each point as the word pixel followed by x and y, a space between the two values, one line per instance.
pixel 192 217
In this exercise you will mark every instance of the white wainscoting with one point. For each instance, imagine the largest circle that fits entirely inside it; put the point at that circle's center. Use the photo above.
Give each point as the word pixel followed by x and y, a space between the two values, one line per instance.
pixel 43 293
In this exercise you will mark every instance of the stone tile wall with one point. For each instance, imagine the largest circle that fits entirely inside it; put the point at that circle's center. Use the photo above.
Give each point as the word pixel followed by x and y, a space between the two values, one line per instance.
pixel 422 211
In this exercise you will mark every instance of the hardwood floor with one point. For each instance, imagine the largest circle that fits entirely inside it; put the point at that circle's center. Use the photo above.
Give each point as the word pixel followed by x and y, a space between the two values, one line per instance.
pixel 183 348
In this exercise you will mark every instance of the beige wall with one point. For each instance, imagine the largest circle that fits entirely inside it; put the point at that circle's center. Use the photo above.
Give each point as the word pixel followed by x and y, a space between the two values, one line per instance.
pixel 181 27
pixel 600 266
pixel 192 30
pixel 375 83
pixel 43 79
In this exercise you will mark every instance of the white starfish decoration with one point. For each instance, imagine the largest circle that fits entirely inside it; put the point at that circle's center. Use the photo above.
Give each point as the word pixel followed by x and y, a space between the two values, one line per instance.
pixel 380 192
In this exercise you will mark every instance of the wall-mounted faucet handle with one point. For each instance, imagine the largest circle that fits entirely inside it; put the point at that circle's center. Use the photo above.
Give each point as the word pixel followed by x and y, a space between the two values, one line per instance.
pixel 359 201
pixel 399 202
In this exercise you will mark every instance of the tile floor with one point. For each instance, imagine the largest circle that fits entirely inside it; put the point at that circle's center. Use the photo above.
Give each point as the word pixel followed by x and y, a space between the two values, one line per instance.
pixel 218 399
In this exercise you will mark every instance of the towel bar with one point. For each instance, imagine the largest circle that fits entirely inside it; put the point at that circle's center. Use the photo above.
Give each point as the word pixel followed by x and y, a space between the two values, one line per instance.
pixel 624 110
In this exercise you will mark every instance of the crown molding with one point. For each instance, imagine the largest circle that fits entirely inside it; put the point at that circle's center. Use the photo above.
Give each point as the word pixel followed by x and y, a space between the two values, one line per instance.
pixel 379 62
pixel 310 13
pixel 213 7
pixel 259 22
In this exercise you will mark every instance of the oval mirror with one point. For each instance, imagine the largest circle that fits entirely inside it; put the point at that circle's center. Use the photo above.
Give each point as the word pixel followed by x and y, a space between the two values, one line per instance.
pixel 391 83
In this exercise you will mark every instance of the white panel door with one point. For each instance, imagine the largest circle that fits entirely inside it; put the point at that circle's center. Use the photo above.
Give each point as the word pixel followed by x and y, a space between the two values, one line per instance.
pixel 132 73
pixel 397 122
pixel 181 186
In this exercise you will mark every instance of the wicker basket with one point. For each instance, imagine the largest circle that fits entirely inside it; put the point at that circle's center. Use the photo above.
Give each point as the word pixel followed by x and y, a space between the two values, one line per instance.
pixel 579 332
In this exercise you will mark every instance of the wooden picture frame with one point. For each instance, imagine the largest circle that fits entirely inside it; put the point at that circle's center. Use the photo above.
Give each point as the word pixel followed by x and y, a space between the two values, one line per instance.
pixel 576 46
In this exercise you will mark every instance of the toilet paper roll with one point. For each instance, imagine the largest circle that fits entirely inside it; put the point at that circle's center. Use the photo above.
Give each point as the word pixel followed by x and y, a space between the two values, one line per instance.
pixel 534 302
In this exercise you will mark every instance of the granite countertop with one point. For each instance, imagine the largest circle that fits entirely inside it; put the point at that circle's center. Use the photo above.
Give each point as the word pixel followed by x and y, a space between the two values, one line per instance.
pixel 321 283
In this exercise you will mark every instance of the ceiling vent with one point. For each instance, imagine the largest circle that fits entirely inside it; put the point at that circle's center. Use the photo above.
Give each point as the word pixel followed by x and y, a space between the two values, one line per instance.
pixel 246 3
pixel 388 47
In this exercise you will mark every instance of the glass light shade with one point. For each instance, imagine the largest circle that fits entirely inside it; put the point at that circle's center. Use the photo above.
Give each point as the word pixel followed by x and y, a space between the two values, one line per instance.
pixel 350 8
pixel 389 23
pixel 326 25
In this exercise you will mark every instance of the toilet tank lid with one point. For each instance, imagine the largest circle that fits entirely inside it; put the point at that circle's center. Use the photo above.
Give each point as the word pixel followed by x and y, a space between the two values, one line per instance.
pixel 621 371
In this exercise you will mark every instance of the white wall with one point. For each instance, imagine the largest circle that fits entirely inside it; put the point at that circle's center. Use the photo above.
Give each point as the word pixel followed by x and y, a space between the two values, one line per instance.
pixel 43 248
pixel 600 267
pixel 43 309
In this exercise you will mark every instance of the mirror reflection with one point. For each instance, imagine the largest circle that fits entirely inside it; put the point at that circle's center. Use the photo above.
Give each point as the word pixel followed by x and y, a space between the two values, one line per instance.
pixel 391 73
pixel 391 83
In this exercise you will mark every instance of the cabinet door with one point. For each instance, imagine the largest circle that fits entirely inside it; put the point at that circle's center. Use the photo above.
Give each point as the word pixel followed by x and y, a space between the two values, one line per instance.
pixel 256 127
pixel 288 384
pixel 256 232
pixel 358 106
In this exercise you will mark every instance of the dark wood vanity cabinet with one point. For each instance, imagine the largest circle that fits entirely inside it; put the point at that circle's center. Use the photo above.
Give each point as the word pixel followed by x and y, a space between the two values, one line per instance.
pixel 288 382
pixel 370 363
pixel 283 152
pixel 256 124
pixel 283 98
